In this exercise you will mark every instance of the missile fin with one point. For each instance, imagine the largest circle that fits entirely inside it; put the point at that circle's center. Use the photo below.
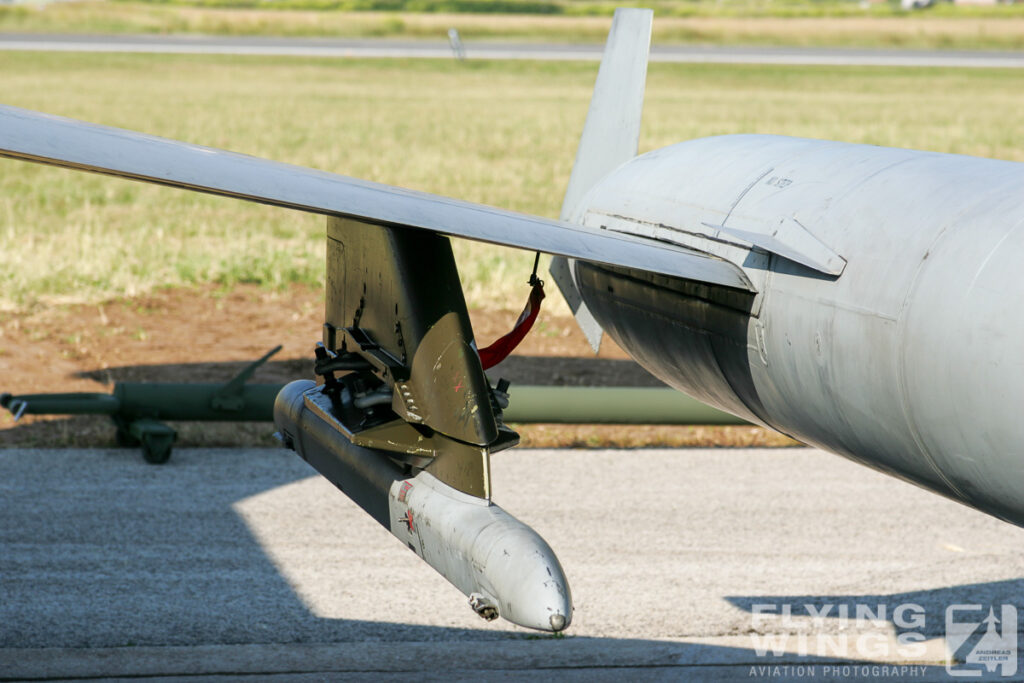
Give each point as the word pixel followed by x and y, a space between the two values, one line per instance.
pixel 610 137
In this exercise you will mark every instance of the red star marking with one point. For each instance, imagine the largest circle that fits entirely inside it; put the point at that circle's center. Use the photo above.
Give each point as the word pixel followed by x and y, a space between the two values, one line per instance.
pixel 458 386
pixel 408 520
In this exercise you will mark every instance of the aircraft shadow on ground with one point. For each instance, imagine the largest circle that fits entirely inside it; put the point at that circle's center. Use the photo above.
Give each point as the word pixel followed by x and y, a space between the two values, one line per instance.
pixel 96 430
pixel 100 550
pixel 924 606
pixel 533 370
pixel 130 558
pixel 133 562
pixel 912 615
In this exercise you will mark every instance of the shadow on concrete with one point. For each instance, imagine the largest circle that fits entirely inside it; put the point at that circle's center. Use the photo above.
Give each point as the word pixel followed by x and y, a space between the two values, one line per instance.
pixel 985 613
pixel 921 611
pixel 98 549
pixel 98 431
pixel 134 569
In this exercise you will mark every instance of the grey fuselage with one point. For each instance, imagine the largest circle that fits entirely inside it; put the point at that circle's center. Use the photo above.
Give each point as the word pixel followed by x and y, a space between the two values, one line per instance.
pixel 909 361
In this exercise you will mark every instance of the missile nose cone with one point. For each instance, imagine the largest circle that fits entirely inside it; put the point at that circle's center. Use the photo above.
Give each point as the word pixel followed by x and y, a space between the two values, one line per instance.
pixel 503 565
pixel 539 596
pixel 558 622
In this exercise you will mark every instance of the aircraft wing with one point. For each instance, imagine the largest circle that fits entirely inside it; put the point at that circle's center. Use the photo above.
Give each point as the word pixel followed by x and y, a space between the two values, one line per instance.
pixel 58 141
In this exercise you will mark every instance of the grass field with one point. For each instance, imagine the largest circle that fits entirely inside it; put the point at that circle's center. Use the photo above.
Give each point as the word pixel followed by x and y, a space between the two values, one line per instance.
pixel 748 22
pixel 499 133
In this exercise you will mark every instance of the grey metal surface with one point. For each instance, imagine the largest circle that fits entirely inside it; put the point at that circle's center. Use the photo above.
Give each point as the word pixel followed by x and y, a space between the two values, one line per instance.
pixel 440 49
pixel 610 136
pixel 785 237
pixel 611 133
pixel 561 272
pixel 236 561
pixel 909 360
pixel 54 140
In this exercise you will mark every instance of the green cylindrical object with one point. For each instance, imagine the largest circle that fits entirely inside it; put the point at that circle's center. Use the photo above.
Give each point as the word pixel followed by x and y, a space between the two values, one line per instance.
pixel 255 403
pixel 66 404
pixel 611 405
pixel 166 401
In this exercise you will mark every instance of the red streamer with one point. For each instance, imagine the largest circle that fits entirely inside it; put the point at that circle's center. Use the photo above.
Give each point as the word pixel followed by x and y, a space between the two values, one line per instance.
pixel 499 350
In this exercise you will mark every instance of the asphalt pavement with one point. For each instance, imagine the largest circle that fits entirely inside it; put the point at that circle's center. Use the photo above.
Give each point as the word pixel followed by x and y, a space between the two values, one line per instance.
pixel 715 564
pixel 440 49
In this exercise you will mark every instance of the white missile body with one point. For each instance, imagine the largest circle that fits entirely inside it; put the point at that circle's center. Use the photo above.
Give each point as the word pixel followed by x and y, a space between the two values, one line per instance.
pixel 488 554
pixel 503 566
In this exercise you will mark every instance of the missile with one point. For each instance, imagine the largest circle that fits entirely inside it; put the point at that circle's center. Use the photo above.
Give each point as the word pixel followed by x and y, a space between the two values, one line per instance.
pixel 502 565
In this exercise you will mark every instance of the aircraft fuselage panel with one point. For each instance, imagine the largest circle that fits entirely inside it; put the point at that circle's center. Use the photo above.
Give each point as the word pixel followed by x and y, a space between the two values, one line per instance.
pixel 907 361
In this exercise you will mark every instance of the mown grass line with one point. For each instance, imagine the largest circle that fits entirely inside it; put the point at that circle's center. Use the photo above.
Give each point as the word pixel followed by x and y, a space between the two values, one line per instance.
pixel 746 22
pixel 494 132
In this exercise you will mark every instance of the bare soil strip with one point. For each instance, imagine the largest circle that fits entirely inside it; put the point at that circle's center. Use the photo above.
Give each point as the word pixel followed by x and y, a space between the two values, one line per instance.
pixel 208 335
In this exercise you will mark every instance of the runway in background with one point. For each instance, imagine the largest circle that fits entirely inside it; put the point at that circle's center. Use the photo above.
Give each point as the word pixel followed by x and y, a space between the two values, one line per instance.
pixel 377 48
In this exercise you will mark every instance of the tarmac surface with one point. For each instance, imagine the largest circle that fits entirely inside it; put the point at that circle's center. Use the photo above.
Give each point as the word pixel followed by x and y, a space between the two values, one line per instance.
pixel 386 48
pixel 786 564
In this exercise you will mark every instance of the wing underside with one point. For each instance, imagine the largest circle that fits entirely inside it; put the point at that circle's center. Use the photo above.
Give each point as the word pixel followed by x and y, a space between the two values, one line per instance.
pixel 53 140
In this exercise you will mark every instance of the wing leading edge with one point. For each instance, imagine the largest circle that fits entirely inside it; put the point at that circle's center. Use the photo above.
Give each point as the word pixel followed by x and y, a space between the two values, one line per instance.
pixel 58 141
